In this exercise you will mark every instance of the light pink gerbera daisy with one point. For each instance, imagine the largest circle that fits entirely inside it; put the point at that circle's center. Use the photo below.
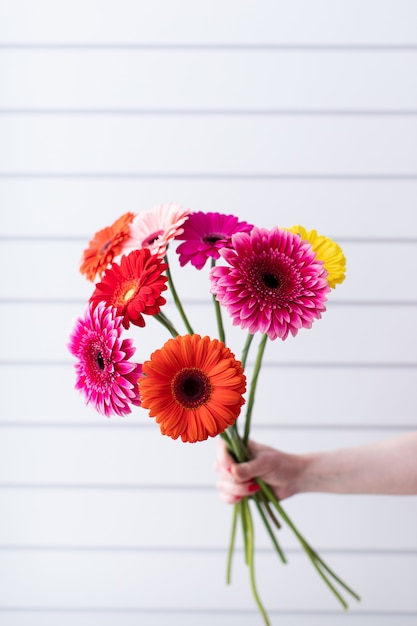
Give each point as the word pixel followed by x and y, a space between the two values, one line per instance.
pixel 154 229
pixel 273 284
pixel 105 375
pixel 205 234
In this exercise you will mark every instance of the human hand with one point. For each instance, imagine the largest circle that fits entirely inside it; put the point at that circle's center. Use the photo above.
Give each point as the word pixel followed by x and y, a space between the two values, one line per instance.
pixel 281 471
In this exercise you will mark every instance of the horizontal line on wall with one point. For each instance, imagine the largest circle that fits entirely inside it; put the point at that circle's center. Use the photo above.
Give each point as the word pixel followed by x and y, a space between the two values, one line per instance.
pixel 84 239
pixel 191 303
pixel 260 426
pixel 206 176
pixel 212 112
pixel 222 47
pixel 204 549
pixel 371 303
pixel 333 427
pixel 157 610
pixel 344 177
pixel 265 364
pixel 104 487
pixel 341 365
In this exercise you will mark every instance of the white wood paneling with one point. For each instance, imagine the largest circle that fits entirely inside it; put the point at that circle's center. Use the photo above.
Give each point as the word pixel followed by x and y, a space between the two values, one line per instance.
pixel 219 145
pixel 345 208
pixel 66 518
pixel 157 617
pixel 133 457
pixel 260 22
pixel 75 578
pixel 193 81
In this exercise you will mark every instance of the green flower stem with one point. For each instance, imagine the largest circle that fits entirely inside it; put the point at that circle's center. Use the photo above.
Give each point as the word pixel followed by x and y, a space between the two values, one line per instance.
pixel 162 319
pixel 232 443
pixel 240 449
pixel 232 544
pixel 316 560
pixel 251 399
pixel 336 577
pixel 259 503
pixel 246 514
pixel 246 349
pixel 270 512
pixel 177 301
pixel 245 529
pixel 218 312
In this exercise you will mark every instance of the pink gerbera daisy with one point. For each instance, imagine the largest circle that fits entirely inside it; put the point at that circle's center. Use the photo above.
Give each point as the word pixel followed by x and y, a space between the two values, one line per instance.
pixel 154 229
pixel 205 234
pixel 134 287
pixel 274 282
pixel 105 375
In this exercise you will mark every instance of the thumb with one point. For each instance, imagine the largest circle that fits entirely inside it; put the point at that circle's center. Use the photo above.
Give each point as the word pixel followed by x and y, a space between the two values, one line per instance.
pixel 243 472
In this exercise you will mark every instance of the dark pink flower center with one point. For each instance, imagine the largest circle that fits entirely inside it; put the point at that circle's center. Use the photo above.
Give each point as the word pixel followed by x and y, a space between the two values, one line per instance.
pixel 100 361
pixel 211 238
pixel 152 238
pixel 271 281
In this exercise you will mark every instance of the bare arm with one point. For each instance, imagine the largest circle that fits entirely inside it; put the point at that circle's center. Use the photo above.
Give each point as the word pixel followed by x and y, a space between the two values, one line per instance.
pixel 386 467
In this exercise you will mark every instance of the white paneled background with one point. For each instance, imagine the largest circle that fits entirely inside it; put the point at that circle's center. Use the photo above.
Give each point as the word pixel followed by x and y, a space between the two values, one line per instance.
pixel 280 112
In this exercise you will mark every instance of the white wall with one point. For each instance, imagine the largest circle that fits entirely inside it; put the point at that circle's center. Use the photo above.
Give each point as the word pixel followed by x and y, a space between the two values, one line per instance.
pixel 280 113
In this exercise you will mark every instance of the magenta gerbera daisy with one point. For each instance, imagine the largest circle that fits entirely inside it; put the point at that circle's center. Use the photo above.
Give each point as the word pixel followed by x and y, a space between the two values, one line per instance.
pixel 105 375
pixel 134 287
pixel 204 234
pixel 154 229
pixel 273 282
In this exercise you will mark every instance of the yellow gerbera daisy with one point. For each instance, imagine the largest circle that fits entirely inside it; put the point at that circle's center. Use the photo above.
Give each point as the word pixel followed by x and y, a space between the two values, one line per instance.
pixel 327 251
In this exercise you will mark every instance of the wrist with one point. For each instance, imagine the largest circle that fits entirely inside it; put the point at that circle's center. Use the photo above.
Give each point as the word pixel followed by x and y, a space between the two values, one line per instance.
pixel 308 476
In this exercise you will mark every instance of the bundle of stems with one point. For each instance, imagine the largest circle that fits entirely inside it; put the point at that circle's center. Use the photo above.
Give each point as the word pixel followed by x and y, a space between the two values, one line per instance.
pixel 268 506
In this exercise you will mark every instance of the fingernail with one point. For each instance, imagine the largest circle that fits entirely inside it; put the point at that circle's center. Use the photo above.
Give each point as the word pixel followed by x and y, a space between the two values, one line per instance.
pixel 254 487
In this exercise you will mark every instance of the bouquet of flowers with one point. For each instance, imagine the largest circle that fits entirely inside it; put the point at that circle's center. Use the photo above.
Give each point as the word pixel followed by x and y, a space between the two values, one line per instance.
pixel 270 282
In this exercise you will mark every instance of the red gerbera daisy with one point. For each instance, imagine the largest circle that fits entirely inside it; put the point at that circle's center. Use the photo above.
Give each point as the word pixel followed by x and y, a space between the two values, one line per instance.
pixel 274 282
pixel 134 287
pixel 105 375
pixel 104 247
pixel 194 387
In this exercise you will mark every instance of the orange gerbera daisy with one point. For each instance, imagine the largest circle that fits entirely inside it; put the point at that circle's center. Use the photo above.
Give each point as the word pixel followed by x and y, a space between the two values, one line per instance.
pixel 194 387
pixel 104 246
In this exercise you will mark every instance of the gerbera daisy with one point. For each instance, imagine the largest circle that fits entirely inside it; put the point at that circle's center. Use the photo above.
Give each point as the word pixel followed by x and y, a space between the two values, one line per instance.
pixel 193 386
pixel 154 229
pixel 104 247
pixel 274 283
pixel 327 251
pixel 134 287
pixel 205 234
pixel 105 375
